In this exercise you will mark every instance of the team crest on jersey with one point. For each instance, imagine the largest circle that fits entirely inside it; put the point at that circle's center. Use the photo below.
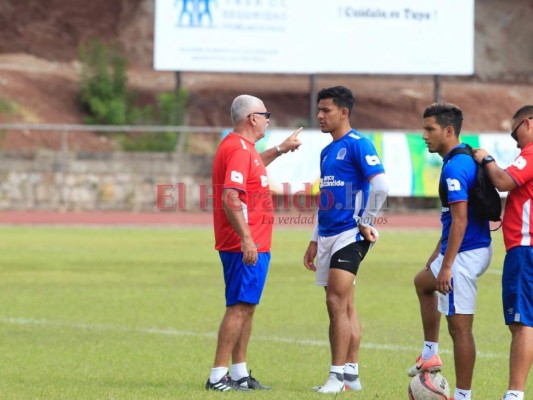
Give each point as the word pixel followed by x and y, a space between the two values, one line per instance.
pixel 237 177
pixel 341 154
pixel 453 185
pixel 520 163
pixel 372 160
pixel 256 162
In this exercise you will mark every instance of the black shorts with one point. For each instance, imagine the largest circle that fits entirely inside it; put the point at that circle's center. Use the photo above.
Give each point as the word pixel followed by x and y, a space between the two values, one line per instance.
pixel 348 258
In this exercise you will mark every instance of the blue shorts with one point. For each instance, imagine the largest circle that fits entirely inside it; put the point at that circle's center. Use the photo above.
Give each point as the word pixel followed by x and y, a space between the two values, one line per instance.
pixel 244 283
pixel 517 286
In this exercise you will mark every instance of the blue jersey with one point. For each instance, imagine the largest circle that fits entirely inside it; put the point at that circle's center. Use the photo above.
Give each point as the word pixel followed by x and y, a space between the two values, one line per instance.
pixel 346 165
pixel 459 176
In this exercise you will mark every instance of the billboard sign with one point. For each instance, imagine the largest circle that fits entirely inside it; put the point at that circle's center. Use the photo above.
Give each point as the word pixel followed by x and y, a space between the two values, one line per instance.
pixel 309 36
pixel 412 171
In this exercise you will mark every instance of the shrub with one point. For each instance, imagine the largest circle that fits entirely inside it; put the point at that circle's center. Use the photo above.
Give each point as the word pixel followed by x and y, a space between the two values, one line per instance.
pixel 104 84
pixel 8 106
pixel 170 110
pixel 107 100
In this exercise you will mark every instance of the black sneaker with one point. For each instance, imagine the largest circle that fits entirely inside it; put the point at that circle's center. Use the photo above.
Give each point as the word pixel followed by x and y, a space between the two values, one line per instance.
pixel 225 384
pixel 251 383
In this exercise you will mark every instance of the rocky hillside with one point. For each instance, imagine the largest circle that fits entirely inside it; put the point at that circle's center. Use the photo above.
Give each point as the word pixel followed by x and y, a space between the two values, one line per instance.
pixel 39 44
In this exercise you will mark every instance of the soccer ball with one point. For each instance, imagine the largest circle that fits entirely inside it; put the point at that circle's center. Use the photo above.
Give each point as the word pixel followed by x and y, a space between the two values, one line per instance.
pixel 429 386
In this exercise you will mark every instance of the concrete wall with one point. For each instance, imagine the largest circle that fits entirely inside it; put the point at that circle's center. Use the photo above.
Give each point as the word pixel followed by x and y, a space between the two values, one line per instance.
pixel 96 181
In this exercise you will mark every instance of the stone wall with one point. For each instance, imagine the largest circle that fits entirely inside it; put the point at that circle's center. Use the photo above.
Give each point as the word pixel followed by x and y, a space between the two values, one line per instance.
pixel 119 181
pixel 96 181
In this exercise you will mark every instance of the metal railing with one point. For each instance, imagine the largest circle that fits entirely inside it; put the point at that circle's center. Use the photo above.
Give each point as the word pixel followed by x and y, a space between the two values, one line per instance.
pixel 186 133
pixel 55 165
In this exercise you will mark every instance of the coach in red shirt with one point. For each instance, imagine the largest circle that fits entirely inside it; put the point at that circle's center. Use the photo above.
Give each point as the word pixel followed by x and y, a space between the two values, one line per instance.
pixel 517 279
pixel 243 216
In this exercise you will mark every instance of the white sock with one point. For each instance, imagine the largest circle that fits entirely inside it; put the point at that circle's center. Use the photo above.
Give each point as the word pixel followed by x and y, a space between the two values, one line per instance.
pixel 239 371
pixel 462 394
pixel 339 369
pixel 351 368
pixel 429 350
pixel 515 395
pixel 217 374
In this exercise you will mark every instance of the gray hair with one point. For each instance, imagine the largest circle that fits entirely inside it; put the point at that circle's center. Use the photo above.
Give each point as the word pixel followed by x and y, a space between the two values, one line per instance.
pixel 242 106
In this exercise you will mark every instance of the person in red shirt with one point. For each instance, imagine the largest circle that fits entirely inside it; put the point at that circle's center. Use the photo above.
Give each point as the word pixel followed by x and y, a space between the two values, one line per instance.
pixel 243 215
pixel 517 225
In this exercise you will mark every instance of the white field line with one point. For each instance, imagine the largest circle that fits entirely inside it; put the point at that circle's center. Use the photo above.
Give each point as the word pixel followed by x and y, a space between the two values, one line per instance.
pixel 173 332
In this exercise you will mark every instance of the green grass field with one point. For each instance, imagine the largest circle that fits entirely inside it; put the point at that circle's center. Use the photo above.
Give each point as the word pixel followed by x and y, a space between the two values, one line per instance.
pixel 115 313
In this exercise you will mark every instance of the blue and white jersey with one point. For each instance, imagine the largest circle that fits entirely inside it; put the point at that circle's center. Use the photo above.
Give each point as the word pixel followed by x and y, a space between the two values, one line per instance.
pixel 346 166
pixel 459 176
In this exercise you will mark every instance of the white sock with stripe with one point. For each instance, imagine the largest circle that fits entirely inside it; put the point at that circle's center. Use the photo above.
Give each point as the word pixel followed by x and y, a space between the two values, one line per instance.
pixel 217 373
pixel 239 371
pixel 513 395
pixel 351 368
pixel 461 394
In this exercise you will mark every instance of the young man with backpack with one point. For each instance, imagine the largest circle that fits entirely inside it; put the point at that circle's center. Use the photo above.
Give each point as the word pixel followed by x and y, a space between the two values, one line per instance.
pixel 448 282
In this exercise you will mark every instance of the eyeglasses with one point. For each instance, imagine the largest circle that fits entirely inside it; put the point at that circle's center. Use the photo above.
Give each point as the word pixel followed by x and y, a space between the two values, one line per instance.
pixel 266 114
pixel 513 133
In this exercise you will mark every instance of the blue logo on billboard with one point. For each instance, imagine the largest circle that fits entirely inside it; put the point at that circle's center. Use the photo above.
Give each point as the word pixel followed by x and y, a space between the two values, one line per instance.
pixel 195 13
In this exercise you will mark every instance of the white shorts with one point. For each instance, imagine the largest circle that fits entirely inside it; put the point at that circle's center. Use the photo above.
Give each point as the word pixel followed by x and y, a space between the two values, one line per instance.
pixel 327 246
pixel 466 268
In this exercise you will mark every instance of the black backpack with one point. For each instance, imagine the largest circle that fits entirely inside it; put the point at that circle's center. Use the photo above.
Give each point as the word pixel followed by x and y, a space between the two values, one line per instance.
pixel 483 196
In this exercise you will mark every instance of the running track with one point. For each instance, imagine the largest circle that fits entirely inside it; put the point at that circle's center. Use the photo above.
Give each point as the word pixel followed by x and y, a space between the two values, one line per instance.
pixel 190 219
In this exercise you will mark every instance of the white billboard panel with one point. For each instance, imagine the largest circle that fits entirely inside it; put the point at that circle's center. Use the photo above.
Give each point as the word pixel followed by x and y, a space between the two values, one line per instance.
pixel 309 36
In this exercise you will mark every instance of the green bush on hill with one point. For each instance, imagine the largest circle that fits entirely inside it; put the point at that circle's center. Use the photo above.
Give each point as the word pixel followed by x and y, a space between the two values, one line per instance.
pixel 105 97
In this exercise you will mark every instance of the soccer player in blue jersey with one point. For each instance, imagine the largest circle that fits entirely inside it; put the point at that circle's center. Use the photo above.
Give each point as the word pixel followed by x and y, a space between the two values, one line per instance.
pixel 448 283
pixel 352 190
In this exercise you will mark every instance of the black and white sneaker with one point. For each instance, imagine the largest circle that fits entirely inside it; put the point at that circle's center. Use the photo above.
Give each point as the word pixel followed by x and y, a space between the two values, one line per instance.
pixel 334 384
pixel 352 382
pixel 225 384
pixel 250 382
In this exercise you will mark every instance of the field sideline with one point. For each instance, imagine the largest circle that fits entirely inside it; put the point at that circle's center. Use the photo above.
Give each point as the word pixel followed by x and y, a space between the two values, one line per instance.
pixel 132 313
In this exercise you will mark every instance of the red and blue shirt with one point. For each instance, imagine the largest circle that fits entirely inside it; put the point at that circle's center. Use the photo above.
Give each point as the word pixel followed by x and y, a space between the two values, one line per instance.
pixel 517 220
pixel 237 165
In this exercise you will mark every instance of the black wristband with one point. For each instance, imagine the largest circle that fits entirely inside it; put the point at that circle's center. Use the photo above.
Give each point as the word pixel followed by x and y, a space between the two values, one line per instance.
pixel 486 160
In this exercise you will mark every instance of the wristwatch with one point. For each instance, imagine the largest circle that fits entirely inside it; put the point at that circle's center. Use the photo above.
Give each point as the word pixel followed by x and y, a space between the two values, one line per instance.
pixel 486 160
pixel 278 149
